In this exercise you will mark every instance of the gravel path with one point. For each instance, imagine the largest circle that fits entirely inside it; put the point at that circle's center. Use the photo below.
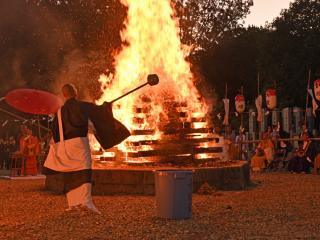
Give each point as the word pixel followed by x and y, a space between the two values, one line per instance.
pixel 277 206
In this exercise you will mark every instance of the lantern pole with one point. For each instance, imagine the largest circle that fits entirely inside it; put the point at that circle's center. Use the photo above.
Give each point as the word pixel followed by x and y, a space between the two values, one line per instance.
pixel 39 129
pixel 258 84
pixel 258 91
pixel 225 123
pixel 307 98
pixel 226 93
pixel 241 116
pixel 276 107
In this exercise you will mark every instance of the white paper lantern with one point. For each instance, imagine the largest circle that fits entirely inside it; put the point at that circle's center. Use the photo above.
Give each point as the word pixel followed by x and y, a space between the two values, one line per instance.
pixel 316 88
pixel 240 103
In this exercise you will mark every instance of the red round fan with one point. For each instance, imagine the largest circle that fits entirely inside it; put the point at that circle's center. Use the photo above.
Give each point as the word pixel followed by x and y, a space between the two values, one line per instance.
pixel 33 101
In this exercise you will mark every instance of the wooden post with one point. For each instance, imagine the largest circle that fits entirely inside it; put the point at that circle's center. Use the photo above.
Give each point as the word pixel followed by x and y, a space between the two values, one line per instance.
pixel 258 91
pixel 241 114
pixel 226 96
pixel 258 84
pixel 39 130
pixel 307 99
pixel 226 93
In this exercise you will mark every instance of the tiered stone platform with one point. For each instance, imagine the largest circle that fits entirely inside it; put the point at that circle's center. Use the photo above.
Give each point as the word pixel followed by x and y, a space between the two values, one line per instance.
pixel 141 180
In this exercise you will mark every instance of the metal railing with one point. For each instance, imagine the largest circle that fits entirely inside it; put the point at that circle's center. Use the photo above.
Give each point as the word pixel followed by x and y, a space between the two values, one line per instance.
pixel 241 143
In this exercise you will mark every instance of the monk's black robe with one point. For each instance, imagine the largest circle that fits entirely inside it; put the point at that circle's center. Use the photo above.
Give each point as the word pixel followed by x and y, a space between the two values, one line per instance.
pixel 75 115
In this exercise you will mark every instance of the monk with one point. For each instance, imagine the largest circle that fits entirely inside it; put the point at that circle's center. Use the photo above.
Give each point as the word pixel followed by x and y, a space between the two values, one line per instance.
pixel 30 149
pixel 70 153
pixel 304 156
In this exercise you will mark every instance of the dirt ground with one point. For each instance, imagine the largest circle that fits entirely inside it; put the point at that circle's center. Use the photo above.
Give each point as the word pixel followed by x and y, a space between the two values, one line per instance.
pixel 276 206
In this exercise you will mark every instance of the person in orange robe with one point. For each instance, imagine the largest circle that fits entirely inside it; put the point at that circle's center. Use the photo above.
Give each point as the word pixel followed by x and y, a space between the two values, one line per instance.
pixel 264 153
pixel 30 148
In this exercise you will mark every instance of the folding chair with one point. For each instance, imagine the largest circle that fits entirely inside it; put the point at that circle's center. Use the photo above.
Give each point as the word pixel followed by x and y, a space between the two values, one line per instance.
pixel 276 163
pixel 17 165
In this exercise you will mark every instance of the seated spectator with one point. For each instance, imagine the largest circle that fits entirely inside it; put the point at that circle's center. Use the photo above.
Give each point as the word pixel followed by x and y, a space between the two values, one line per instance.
pixel 264 153
pixel 229 134
pixel 282 151
pixel 274 135
pixel 2 152
pixel 6 144
pixel 317 164
pixel 304 130
pixel 304 156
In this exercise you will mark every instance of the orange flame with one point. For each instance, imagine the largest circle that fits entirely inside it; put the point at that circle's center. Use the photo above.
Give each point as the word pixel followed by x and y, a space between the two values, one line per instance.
pixel 153 46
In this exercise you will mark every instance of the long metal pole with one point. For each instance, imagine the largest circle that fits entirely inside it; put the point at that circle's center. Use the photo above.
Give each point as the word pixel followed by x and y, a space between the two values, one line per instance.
pixel 282 139
pixel 128 92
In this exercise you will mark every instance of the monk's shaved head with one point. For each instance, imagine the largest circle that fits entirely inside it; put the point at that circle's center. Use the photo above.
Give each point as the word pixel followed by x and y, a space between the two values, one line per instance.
pixel 69 91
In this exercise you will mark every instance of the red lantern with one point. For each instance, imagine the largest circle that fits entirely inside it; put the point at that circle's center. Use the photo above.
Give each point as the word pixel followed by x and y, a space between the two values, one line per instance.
pixel 316 88
pixel 240 103
pixel 271 98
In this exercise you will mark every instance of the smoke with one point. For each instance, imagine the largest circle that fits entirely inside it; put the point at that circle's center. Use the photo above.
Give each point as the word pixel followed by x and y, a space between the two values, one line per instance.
pixel 81 68
pixel 33 41
pixel 44 44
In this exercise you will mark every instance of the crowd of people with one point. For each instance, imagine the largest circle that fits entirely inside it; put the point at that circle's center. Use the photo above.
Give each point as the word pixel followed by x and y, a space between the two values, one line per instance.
pixel 277 151
pixel 8 144
pixel 26 147
pixel 273 152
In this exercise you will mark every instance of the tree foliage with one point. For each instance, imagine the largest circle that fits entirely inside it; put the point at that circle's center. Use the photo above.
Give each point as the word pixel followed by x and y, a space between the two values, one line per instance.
pixel 294 40
pixel 48 42
pixel 281 53
pixel 234 62
pixel 204 22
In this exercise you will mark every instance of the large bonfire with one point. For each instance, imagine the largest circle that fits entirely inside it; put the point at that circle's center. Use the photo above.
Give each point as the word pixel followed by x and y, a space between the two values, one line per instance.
pixel 151 45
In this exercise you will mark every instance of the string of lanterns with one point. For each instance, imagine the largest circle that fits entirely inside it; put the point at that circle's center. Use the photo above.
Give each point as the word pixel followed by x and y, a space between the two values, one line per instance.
pixel 271 103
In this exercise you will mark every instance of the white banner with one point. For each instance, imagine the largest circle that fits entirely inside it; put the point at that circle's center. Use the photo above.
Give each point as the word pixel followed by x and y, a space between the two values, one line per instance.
pixel 259 108
pixel 226 111
pixel 314 102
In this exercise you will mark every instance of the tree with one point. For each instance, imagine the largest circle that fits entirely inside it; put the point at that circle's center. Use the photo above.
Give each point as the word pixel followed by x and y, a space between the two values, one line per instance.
pixel 282 53
pixel 44 42
pixel 294 48
pixel 203 23
pixel 40 39
pixel 235 62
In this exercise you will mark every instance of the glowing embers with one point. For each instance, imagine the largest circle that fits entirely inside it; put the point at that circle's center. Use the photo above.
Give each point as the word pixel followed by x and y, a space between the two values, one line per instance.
pixel 139 161
pixel 180 137
pixel 108 154
pixel 199 125
pixel 207 156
